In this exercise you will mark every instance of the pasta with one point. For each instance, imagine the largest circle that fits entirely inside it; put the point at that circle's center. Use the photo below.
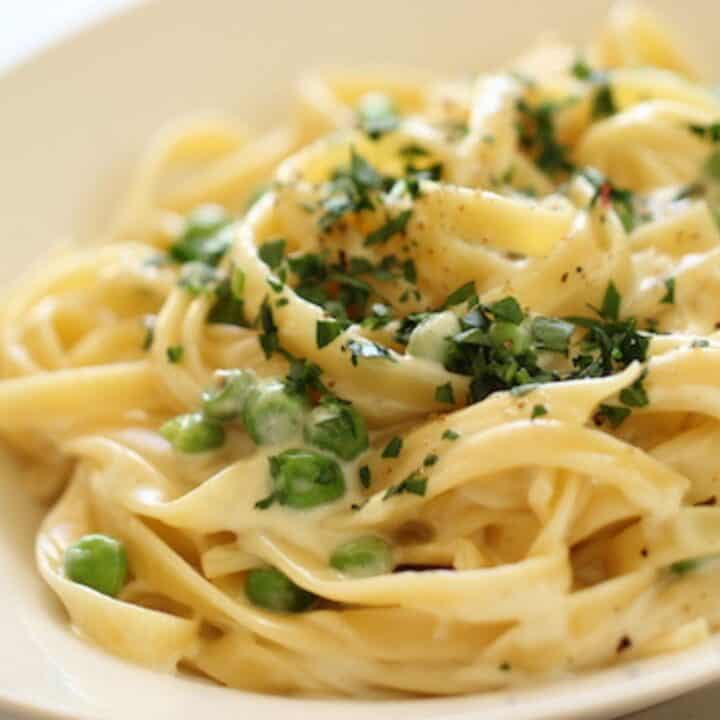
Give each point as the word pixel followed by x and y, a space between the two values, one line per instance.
pixel 417 395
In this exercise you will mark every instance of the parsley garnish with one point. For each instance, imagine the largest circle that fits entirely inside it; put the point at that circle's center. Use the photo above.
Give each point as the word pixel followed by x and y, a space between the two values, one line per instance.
pixel 709 132
pixel 610 309
pixel 268 339
pixel 206 238
pixel 712 166
pixel 393 448
pixel 265 503
pixel 365 476
pixel 507 309
pixel 349 191
pixel 450 435
pixel 538 411
pixel 614 414
pixel 430 460
pixel 272 252
pixel 444 394
pixel 582 70
pixel 415 483
pixel 237 283
pixel 635 395
pixel 603 102
pixel 228 308
pixel 174 353
pixel 409 271
pixel 149 324
pixel 327 330
pixel 413 150
pixel 395 226
pixel 669 296
pixel 537 136
pixel 622 200
pixel 303 378
pixel 463 293
pixel 683 567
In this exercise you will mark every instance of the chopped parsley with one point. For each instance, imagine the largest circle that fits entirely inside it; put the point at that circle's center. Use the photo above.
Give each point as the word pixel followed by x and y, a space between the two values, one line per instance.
pixel 603 103
pixel 237 283
pixel 393 448
pixel 582 70
pixel 621 200
pixel 394 226
pixel 430 460
pixel 409 271
pixel 538 411
pixel 635 395
pixel 228 307
pixel 709 132
pixel 444 394
pixel 365 476
pixel 349 191
pixel 537 135
pixel 610 309
pixel 463 293
pixel 174 353
pixel 507 309
pixel 149 325
pixel 413 150
pixel 327 330
pixel 450 435
pixel 206 237
pixel 669 296
pixel 415 483
pixel 268 338
pixel 614 414
pixel 684 567
pixel 712 166
pixel 272 252
pixel 303 378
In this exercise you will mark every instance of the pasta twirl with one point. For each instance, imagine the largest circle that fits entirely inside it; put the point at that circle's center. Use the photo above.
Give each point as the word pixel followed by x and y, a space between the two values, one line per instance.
pixel 416 395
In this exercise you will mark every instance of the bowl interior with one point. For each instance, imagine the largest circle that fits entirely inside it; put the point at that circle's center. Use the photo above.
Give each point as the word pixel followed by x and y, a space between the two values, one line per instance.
pixel 74 120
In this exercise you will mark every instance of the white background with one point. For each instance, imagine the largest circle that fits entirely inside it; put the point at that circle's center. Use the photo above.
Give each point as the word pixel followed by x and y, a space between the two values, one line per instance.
pixel 28 25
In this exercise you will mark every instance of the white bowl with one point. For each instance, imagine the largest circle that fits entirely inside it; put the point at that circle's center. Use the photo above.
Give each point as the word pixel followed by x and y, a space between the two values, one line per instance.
pixel 73 120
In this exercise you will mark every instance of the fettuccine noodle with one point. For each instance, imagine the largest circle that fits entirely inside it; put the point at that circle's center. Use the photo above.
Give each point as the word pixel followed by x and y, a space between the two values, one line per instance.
pixel 502 291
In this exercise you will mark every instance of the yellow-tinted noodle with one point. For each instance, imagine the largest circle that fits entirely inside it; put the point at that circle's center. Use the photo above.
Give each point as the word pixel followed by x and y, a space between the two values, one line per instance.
pixel 541 538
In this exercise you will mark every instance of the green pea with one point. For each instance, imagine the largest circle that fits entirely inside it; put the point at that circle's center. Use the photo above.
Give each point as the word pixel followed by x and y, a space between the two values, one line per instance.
pixel 305 478
pixel 363 557
pixel 430 339
pixel 272 414
pixel 227 402
pixel 193 433
pixel 337 427
pixel 514 338
pixel 98 562
pixel 270 589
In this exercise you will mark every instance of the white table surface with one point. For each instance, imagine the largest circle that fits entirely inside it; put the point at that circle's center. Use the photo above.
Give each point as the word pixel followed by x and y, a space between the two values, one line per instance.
pixel 28 25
